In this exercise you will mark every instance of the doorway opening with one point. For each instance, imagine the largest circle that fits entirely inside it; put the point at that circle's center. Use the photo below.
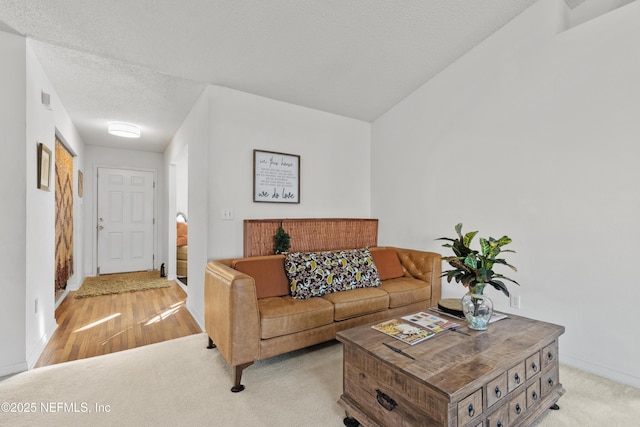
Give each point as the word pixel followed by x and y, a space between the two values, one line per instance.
pixel 125 223
pixel 182 215
pixel 63 218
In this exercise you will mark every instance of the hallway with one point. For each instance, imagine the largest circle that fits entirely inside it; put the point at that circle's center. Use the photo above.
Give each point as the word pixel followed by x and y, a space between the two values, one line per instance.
pixel 105 324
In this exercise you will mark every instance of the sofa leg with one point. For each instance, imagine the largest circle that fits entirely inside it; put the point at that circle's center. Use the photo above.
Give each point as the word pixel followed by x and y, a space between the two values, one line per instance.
pixel 211 344
pixel 237 374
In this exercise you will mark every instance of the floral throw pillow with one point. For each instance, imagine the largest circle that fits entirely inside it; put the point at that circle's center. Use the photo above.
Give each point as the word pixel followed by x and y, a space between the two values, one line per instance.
pixel 313 274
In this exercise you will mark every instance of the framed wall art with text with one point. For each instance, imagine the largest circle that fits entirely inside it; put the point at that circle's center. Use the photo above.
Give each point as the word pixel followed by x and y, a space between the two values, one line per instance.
pixel 276 177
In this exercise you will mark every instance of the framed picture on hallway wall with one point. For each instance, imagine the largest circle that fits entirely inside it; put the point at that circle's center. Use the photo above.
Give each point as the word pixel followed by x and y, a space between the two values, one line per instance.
pixel 276 177
pixel 44 166
pixel 80 183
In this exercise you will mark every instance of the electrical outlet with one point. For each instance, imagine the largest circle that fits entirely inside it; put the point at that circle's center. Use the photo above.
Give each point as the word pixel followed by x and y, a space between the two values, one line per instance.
pixel 227 213
pixel 515 301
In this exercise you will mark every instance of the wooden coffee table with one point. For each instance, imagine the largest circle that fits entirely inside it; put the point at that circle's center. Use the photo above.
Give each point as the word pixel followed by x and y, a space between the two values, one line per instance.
pixel 504 376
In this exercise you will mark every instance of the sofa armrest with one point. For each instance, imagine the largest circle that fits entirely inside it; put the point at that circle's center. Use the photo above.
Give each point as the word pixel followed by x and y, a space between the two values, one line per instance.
pixel 232 317
pixel 425 266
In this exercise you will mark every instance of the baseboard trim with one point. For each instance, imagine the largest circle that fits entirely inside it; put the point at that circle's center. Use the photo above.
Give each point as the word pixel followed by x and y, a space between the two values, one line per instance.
pixel 603 371
pixel 195 314
pixel 12 369
pixel 62 297
pixel 39 347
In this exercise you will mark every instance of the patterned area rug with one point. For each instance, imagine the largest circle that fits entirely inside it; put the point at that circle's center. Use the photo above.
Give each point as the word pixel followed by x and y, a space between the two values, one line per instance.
pixel 122 282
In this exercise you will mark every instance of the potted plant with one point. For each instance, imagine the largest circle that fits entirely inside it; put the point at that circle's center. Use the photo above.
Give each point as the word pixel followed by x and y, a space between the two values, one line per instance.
pixel 281 240
pixel 474 269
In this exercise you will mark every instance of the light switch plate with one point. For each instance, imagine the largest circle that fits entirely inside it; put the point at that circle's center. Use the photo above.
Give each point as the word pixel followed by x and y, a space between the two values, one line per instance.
pixel 227 213
pixel 515 301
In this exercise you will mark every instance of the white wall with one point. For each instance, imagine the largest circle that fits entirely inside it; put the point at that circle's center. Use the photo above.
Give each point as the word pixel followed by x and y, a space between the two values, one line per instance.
pixel 13 225
pixel 182 182
pixel 98 156
pixel 27 249
pixel 42 126
pixel 194 134
pixel 589 9
pixel 222 131
pixel 533 134
pixel 334 161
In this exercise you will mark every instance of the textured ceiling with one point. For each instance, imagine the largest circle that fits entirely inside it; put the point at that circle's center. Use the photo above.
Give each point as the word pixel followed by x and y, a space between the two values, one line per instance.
pixel 147 61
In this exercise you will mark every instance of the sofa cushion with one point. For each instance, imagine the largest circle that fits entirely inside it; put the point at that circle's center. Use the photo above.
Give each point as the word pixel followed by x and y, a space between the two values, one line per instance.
pixel 387 263
pixel 417 264
pixel 268 273
pixel 181 268
pixel 286 315
pixel 181 234
pixel 357 302
pixel 405 291
pixel 317 273
pixel 182 253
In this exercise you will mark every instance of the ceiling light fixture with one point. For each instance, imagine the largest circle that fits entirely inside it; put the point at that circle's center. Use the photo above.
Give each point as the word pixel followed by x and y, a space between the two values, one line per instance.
pixel 125 130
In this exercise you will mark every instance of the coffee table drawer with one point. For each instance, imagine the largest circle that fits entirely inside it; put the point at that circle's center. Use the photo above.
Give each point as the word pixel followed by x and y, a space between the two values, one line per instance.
pixel 532 365
pixel 388 395
pixel 515 376
pixel 549 354
pixel 517 407
pixel 549 380
pixel 500 418
pixel 470 407
pixel 496 389
pixel 533 393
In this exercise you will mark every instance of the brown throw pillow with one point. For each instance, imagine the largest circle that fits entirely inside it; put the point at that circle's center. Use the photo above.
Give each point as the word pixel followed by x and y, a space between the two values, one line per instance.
pixel 268 273
pixel 387 262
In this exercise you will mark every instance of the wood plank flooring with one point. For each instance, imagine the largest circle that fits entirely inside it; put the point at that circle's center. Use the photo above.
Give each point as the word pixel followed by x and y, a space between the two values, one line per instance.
pixel 104 324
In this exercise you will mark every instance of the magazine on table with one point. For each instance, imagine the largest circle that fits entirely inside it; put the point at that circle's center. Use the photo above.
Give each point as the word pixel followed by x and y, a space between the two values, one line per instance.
pixel 431 322
pixel 404 331
pixel 494 317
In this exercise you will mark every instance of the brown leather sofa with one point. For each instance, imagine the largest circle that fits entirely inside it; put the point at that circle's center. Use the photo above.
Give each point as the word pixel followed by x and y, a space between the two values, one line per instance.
pixel 182 248
pixel 250 315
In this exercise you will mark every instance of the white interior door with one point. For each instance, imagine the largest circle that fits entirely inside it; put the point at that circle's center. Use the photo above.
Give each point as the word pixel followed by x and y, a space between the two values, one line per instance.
pixel 125 220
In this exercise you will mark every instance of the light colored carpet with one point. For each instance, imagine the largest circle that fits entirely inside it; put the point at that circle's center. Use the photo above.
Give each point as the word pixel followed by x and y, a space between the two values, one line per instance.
pixel 121 282
pixel 181 383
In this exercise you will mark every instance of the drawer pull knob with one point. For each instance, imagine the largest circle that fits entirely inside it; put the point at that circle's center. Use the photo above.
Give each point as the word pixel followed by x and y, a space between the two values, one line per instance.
pixel 499 423
pixel 518 409
pixel 534 367
pixel 550 382
pixel 517 378
pixel 472 411
pixel 549 356
pixel 385 401
pixel 498 392
pixel 534 395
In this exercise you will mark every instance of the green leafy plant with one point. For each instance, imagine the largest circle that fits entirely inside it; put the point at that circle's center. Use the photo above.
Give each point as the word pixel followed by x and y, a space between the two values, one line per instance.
pixel 281 240
pixel 474 269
